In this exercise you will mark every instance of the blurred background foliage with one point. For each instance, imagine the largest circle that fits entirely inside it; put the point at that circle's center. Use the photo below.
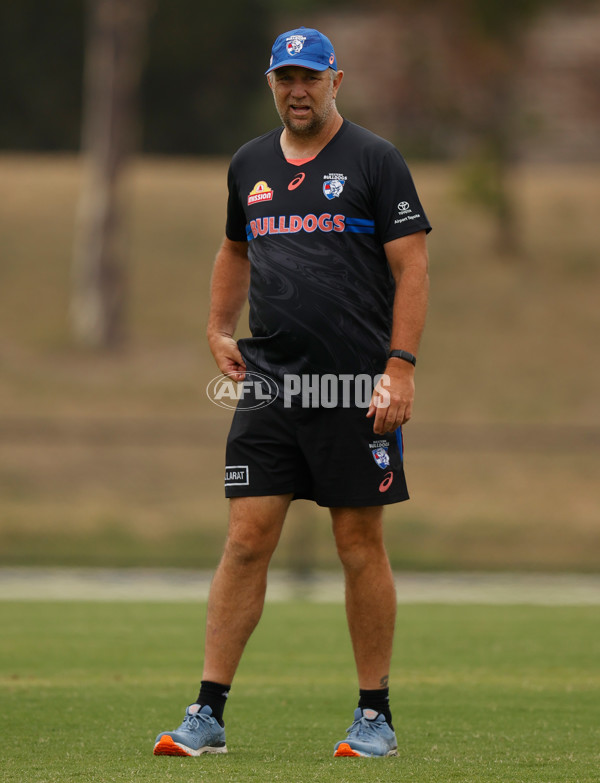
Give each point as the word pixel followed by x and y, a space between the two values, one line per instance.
pixel 114 457
pixel 202 92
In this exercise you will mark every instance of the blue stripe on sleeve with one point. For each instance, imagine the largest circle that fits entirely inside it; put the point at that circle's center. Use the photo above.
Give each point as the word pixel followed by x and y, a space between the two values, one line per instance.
pixel 360 222
pixel 360 229
pixel 359 226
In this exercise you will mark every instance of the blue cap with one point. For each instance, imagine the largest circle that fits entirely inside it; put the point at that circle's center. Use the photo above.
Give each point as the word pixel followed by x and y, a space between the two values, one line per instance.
pixel 305 47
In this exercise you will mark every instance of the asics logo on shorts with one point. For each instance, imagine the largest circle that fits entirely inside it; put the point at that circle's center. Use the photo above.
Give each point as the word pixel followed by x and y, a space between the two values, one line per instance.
pixel 387 482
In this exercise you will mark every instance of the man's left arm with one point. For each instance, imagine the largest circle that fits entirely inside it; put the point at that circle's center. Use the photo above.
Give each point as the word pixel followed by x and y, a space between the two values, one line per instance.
pixel 407 257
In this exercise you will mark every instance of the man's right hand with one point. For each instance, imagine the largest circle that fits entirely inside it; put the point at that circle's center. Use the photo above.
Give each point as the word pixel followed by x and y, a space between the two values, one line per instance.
pixel 227 356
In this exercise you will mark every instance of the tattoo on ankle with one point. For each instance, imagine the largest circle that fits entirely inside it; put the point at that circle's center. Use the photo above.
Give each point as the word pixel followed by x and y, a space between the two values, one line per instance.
pixel 384 681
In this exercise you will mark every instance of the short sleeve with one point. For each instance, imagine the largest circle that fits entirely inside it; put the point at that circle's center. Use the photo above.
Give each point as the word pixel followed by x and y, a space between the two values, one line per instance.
pixel 236 219
pixel 398 209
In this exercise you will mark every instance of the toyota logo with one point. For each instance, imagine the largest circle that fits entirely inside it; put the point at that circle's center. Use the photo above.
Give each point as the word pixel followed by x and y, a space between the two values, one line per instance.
pixel 403 206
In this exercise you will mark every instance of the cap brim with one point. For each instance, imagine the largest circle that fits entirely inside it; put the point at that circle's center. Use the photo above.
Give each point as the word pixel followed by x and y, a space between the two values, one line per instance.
pixel 300 63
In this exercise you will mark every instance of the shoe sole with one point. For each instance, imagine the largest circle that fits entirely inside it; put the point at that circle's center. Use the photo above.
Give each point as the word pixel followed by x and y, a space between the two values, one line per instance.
pixel 345 750
pixel 167 746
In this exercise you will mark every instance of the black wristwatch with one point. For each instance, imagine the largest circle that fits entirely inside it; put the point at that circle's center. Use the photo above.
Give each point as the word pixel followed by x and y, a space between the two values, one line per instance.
pixel 408 357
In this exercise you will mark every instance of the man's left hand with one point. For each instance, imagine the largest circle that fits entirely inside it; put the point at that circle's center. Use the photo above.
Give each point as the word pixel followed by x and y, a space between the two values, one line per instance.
pixel 392 399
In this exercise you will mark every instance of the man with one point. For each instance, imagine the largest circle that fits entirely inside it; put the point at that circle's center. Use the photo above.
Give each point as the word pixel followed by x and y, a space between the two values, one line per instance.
pixel 326 235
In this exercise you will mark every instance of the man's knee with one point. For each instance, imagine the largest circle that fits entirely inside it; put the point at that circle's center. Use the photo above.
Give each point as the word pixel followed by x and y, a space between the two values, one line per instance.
pixel 356 555
pixel 358 537
pixel 254 529
pixel 247 547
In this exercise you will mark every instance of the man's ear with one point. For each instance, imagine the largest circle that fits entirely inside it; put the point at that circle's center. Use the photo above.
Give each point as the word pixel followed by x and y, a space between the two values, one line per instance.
pixel 337 81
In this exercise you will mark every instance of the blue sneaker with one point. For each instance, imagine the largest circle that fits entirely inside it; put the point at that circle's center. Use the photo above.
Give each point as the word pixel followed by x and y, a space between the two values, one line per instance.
pixel 199 733
pixel 369 736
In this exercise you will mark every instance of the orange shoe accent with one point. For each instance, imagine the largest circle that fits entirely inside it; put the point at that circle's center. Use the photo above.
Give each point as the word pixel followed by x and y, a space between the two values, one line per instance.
pixel 166 747
pixel 345 750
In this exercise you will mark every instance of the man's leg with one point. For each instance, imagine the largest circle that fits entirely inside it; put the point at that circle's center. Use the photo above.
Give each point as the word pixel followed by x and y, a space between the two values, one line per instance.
pixel 371 612
pixel 237 592
pixel 370 591
pixel 235 605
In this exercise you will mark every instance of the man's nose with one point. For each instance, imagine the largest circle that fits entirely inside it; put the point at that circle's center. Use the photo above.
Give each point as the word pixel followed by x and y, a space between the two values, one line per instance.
pixel 298 88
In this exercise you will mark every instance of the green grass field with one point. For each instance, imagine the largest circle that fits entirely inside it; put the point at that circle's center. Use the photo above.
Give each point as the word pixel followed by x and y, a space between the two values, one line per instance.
pixel 500 693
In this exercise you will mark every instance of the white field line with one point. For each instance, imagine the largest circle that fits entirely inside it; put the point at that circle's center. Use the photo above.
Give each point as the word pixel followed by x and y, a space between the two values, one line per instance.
pixel 74 584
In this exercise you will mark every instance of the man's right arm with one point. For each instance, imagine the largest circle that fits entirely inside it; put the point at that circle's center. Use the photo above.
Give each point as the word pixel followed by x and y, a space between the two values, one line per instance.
pixel 229 291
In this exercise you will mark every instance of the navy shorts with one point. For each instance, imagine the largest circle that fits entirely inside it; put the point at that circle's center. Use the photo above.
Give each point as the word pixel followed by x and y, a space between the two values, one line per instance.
pixel 329 455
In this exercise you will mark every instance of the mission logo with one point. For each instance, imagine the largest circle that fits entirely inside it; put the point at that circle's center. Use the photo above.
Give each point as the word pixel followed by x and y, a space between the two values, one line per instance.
pixel 260 192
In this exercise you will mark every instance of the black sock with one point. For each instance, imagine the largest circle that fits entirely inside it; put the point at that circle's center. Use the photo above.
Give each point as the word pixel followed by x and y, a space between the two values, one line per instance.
pixel 214 695
pixel 378 700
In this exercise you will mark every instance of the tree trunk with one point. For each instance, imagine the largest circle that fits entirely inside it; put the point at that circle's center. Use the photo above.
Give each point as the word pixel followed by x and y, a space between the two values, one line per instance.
pixel 112 73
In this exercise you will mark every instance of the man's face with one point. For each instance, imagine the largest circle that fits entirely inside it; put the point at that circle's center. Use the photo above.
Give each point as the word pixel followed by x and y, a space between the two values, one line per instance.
pixel 304 99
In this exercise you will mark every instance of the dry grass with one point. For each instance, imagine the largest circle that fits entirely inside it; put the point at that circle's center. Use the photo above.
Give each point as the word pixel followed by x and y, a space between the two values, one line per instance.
pixel 510 340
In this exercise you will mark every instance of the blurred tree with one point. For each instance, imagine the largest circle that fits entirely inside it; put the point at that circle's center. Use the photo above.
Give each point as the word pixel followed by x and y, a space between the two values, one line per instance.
pixel 113 64
pixel 468 73
pixel 41 57
pixel 202 87
pixel 201 91
pixel 489 38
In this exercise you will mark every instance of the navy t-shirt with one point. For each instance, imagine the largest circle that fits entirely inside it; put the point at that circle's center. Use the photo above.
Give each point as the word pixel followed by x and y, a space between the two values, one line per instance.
pixel 321 290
